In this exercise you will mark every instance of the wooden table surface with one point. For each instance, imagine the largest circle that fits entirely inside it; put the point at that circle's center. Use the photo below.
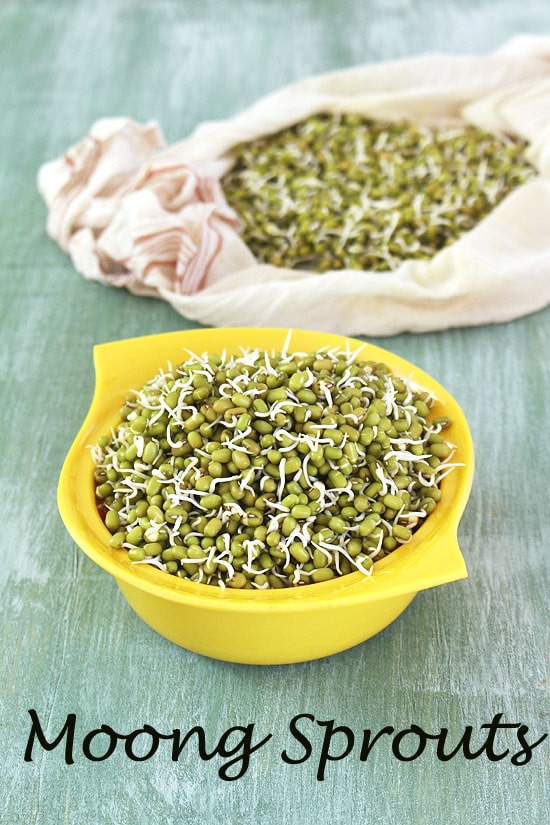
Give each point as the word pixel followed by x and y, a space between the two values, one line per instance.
pixel 457 658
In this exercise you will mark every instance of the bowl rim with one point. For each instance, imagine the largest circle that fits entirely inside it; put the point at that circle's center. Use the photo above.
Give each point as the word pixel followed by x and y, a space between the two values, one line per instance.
pixel 403 571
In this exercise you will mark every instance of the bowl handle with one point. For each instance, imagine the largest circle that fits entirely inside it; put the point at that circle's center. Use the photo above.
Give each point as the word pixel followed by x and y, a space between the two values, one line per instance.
pixel 439 561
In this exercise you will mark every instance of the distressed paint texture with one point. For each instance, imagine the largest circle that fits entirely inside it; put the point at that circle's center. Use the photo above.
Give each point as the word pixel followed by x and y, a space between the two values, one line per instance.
pixel 459 654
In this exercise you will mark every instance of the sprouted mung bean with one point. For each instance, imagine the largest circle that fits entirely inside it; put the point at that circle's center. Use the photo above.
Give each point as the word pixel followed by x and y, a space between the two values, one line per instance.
pixel 344 192
pixel 269 470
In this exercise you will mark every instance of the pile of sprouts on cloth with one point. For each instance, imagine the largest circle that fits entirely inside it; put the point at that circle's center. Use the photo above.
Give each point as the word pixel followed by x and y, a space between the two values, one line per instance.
pixel 270 470
pixel 344 192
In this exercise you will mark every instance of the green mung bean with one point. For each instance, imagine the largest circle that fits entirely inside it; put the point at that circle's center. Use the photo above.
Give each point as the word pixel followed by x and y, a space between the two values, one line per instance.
pixel 196 489
pixel 346 192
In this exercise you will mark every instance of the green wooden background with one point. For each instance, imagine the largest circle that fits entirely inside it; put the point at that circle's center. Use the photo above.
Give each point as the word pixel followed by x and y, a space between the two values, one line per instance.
pixel 459 655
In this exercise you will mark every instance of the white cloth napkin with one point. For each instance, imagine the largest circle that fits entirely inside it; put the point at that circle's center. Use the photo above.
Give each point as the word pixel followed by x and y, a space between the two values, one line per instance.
pixel 132 212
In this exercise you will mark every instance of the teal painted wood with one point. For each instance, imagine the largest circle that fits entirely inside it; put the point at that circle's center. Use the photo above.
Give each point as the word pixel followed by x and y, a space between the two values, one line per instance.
pixel 459 655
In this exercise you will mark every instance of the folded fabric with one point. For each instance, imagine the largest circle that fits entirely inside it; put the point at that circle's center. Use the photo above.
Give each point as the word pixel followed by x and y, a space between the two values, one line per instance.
pixel 132 212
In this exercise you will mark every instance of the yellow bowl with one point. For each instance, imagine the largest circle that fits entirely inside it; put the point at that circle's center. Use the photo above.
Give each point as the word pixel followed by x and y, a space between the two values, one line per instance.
pixel 273 626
